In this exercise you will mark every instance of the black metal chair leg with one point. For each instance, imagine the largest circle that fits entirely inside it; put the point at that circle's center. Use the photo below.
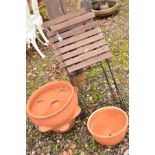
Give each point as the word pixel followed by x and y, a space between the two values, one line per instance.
pixel 114 81
pixel 108 82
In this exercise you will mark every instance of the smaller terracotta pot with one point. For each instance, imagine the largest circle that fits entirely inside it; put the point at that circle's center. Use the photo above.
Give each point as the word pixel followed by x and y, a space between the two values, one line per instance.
pixel 108 125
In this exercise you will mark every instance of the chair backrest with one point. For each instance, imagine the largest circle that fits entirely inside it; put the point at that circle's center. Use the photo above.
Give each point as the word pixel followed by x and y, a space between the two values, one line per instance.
pixel 82 42
pixel 55 8
pixel 67 22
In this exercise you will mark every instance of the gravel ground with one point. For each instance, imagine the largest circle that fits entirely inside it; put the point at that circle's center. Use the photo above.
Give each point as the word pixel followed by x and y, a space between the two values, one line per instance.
pixel 78 141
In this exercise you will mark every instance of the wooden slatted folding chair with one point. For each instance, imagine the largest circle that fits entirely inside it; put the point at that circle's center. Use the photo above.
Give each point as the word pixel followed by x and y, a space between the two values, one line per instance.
pixel 78 43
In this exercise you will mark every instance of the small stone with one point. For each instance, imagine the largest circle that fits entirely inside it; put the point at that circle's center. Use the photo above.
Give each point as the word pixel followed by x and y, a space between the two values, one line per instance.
pixel 33 152
pixel 68 141
pixel 90 98
pixel 86 145
pixel 58 141
pixel 34 68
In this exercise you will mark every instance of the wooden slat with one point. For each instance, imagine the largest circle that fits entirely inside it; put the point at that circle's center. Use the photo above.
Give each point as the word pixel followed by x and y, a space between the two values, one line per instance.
pixel 80 29
pixel 50 33
pixel 73 26
pixel 73 21
pixel 64 18
pixel 85 56
pixel 53 39
pixel 89 62
pixel 75 31
pixel 84 48
pixel 79 37
pixel 81 43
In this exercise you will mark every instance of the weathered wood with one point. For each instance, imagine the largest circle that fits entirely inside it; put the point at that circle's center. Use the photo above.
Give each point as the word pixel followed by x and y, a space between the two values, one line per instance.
pixel 73 21
pixel 80 29
pixel 50 34
pixel 63 18
pixel 73 26
pixel 80 50
pixel 89 62
pixel 81 43
pixel 79 37
pixel 85 56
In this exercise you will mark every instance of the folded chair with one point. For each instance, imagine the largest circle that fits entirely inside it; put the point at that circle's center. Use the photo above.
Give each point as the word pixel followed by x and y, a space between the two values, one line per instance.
pixel 34 27
pixel 38 21
pixel 78 43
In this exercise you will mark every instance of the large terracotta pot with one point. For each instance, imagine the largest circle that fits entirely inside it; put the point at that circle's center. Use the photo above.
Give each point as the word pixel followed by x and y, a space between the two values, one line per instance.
pixel 108 125
pixel 54 106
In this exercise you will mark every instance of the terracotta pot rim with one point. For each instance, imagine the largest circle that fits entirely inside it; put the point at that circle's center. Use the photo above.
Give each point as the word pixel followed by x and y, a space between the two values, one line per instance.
pixel 42 87
pixel 100 109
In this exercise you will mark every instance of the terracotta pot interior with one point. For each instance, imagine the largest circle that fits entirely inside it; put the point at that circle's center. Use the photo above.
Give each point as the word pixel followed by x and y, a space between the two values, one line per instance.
pixel 50 99
pixel 110 4
pixel 107 122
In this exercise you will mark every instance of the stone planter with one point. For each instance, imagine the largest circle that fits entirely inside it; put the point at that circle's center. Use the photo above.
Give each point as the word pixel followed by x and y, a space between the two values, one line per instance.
pixel 113 7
